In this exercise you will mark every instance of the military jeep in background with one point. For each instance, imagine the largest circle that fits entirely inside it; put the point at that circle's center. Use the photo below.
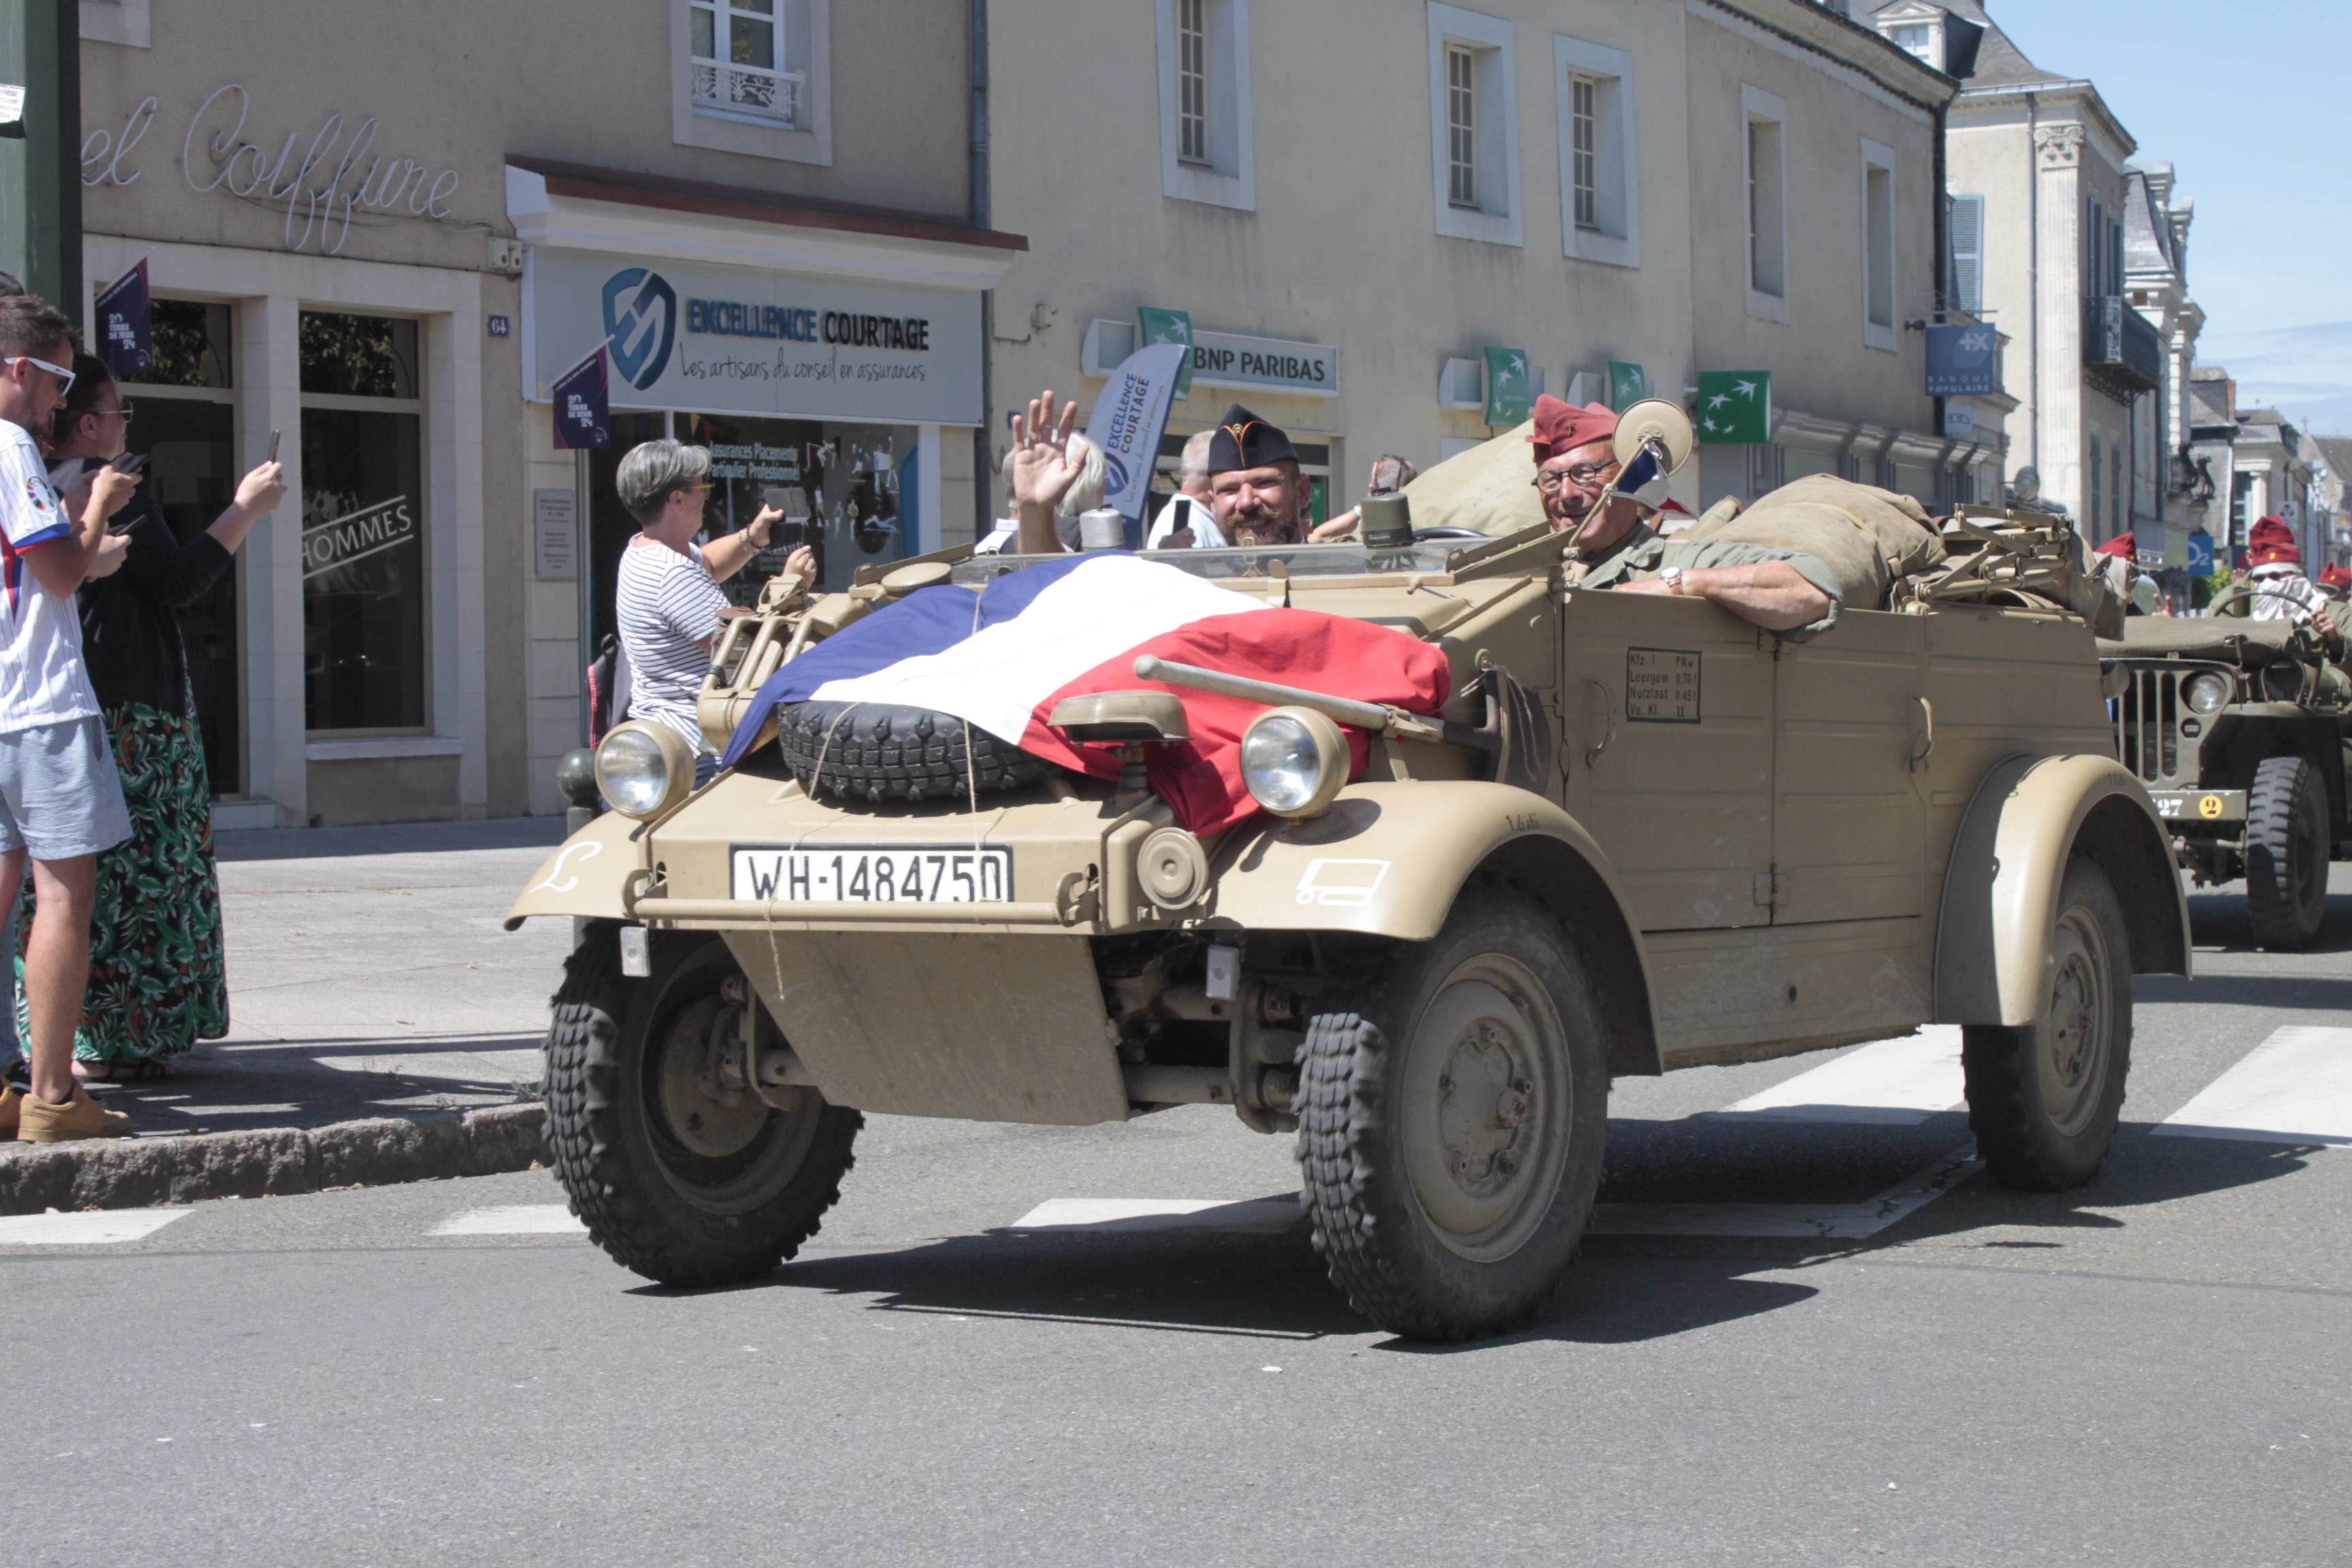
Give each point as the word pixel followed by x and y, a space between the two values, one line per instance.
pixel 2240 729
pixel 1643 834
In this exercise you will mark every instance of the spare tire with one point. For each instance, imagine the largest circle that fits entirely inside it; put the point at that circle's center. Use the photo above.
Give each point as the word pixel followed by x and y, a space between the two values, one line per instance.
pixel 880 750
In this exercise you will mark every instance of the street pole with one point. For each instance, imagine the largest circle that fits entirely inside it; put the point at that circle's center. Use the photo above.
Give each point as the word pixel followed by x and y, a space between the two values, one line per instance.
pixel 40 155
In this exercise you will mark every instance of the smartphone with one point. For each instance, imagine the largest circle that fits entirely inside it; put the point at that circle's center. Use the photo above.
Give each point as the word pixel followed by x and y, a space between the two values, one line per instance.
pixel 272 455
pixel 128 462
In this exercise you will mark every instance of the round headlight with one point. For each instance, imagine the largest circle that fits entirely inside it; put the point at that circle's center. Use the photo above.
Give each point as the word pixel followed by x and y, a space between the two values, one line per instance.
pixel 1294 761
pixel 643 769
pixel 2208 693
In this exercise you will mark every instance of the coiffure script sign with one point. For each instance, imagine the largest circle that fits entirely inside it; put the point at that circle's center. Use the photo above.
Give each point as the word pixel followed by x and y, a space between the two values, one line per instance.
pixel 324 176
pixel 726 340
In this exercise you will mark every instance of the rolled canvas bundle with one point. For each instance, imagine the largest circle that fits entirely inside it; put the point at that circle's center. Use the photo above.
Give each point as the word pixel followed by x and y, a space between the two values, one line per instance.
pixel 1868 538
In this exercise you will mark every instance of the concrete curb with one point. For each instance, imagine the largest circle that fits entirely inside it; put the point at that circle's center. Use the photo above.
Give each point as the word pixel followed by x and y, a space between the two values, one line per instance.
pixel 143 1172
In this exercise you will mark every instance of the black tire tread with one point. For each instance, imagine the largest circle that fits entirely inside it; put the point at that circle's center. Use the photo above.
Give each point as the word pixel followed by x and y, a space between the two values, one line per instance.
pixel 1343 1112
pixel 2272 854
pixel 584 1135
pixel 2004 1099
pixel 876 751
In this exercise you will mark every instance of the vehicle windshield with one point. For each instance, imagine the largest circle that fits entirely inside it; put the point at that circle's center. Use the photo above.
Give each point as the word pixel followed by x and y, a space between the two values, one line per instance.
pixel 1298 560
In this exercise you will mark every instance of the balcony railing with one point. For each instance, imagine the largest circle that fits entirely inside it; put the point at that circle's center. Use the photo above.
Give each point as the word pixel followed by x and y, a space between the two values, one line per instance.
pixel 2120 346
pixel 748 89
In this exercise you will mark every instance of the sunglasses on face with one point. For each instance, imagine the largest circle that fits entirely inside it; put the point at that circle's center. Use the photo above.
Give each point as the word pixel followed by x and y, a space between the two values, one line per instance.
pixel 66 376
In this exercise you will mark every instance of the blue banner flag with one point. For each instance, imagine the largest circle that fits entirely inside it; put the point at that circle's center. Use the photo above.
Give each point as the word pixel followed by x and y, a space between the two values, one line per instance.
pixel 1963 362
pixel 126 324
pixel 583 406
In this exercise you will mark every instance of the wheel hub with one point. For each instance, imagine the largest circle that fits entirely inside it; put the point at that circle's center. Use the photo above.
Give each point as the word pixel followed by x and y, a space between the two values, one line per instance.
pixel 703 1101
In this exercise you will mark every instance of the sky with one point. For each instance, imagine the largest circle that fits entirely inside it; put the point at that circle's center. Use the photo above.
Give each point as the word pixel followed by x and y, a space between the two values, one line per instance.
pixel 2249 105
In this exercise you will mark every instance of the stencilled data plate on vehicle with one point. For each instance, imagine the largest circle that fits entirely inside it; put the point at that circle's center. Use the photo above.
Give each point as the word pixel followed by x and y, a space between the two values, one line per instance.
pixel 1662 685
pixel 871 873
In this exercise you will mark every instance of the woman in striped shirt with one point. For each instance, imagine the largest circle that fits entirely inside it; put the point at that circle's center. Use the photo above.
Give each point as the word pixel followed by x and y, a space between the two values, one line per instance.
pixel 668 602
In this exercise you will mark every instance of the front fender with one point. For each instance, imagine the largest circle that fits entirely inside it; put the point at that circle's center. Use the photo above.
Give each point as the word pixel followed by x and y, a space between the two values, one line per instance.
pixel 2000 885
pixel 1391 857
pixel 585 875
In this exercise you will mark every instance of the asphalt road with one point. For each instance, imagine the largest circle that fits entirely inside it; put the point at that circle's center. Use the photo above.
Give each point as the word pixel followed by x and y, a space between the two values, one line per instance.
pixel 2148 1371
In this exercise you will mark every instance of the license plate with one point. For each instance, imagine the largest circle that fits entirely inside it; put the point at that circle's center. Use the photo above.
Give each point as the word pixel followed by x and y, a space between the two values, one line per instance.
pixel 872 874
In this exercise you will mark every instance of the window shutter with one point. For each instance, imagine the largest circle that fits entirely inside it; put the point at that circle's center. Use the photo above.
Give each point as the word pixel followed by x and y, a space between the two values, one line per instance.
pixel 1967 253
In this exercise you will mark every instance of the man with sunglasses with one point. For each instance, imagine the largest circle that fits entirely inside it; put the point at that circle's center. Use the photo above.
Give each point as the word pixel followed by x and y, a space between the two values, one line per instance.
pixel 1783 591
pixel 60 798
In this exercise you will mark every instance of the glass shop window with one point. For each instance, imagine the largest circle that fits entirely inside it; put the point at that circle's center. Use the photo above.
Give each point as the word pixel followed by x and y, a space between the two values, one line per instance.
pixel 363 537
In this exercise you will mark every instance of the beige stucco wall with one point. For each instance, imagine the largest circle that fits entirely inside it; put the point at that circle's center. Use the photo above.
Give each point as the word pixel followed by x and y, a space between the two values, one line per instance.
pixel 1343 250
pixel 457 90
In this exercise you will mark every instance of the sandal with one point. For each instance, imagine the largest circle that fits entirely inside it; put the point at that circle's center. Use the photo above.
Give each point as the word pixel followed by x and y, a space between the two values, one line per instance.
pixel 133 1070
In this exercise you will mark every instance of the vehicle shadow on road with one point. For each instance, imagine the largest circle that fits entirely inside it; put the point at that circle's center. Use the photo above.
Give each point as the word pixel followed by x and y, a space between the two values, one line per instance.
pixel 1268 1286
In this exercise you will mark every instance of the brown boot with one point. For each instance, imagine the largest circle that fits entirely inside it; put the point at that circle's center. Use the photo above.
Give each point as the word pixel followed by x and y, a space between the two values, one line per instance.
pixel 11 1103
pixel 79 1117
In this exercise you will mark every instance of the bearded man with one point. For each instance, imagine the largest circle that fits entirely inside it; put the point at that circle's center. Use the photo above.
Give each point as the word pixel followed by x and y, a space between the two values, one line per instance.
pixel 1783 591
pixel 1255 489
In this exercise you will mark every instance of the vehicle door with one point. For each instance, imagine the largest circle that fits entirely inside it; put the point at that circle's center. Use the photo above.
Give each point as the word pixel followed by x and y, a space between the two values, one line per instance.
pixel 1667 754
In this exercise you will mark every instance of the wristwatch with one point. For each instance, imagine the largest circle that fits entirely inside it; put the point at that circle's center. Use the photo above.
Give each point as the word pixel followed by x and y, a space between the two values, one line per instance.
pixel 1672 577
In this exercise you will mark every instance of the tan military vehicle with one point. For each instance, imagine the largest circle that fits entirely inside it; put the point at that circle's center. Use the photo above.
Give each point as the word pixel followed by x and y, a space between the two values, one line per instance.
pixel 1643 835
pixel 2241 730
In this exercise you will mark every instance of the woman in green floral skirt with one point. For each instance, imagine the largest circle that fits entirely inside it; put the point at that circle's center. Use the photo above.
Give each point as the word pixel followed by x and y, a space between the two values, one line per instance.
pixel 158 980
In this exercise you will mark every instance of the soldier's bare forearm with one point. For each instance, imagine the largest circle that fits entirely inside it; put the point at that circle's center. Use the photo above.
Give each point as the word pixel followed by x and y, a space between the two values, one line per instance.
pixel 1772 593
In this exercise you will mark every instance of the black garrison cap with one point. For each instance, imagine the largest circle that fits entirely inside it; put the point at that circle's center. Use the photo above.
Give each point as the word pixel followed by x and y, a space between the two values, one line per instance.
pixel 1246 441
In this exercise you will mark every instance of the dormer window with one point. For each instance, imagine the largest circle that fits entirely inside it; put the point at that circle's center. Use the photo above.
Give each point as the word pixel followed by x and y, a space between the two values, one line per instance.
pixel 1923 40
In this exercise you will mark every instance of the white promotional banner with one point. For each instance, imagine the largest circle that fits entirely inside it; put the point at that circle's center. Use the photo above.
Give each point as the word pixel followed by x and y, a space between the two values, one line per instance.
pixel 727 340
pixel 1127 422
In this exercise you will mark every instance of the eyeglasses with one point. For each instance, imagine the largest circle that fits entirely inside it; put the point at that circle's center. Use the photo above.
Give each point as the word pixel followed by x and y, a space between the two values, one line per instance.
pixel 1582 476
pixel 65 375
pixel 125 411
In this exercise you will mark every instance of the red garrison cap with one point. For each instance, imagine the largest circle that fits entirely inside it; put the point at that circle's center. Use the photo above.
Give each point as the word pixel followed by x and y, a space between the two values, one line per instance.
pixel 2271 543
pixel 1562 427
pixel 2335 577
pixel 2122 545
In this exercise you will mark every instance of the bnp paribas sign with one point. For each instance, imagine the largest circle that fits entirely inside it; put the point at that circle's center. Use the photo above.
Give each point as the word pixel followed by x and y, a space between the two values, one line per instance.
pixel 726 340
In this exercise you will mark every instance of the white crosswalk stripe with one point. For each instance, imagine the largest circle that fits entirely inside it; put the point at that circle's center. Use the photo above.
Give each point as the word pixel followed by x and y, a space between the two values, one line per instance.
pixel 1894 1083
pixel 2293 1087
pixel 1095 1215
pixel 85 1229
pixel 512 1219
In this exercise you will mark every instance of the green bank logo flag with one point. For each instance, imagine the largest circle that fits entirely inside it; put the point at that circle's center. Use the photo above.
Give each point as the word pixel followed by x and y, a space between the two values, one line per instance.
pixel 1507 386
pixel 1628 385
pixel 1734 405
pixel 1153 325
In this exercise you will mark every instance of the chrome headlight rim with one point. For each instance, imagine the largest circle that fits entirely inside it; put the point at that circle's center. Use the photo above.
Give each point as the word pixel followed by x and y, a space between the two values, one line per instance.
pixel 621 773
pixel 1304 734
pixel 2206 694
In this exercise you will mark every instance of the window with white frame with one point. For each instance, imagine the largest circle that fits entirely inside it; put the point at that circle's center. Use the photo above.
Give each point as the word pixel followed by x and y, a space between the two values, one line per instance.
pixel 752 75
pixel 1599 198
pixel 1764 167
pixel 1206 154
pixel 1878 245
pixel 1473 125
pixel 1919 39
pixel 1966 229
pixel 1461 127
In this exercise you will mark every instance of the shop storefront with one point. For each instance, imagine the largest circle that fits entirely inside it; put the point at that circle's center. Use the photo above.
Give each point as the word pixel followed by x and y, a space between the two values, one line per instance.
pixel 832 361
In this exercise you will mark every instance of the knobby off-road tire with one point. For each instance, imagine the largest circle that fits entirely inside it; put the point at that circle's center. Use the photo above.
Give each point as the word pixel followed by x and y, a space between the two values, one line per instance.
pixel 876 750
pixel 2043 1099
pixel 1453 1113
pixel 2287 850
pixel 674 1176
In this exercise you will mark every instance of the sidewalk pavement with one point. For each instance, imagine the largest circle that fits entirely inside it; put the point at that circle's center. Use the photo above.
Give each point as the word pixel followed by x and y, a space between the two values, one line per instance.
pixel 384 1026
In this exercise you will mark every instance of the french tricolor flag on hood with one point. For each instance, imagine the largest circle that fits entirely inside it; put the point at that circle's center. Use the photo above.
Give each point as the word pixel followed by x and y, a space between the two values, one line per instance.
pixel 1001 658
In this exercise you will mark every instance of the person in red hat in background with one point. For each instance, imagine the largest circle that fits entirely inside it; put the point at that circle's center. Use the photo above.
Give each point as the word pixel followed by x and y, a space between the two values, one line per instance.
pixel 2335 582
pixel 2118 566
pixel 2274 571
pixel 1782 591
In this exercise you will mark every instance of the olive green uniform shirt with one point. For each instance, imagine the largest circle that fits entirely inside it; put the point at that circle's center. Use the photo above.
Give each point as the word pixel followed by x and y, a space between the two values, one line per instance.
pixel 1641 554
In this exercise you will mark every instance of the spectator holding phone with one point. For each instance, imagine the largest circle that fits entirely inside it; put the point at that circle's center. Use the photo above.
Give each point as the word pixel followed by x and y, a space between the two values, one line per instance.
pixel 61 800
pixel 158 976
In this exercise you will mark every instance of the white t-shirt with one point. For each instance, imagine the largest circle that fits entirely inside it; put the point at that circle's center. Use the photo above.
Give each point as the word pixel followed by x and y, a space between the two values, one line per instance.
pixel 42 677
pixel 1183 511
pixel 666 606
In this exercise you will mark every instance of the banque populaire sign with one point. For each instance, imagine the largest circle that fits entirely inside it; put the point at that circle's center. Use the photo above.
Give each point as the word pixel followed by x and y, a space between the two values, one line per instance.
pixel 725 339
